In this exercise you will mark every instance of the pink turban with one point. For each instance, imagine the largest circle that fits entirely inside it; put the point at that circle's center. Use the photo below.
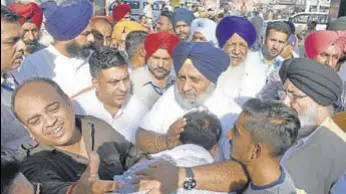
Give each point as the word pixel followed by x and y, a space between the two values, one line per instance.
pixel 319 41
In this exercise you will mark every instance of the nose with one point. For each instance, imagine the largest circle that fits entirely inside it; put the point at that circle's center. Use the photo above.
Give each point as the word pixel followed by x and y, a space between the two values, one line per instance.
pixel 230 134
pixel 237 49
pixel 122 86
pixel 329 61
pixel 187 86
pixel 30 36
pixel 91 38
pixel 50 120
pixel 287 101
pixel 276 45
pixel 20 46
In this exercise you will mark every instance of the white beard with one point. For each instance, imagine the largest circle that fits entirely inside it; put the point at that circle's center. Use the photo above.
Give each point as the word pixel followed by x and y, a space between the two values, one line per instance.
pixel 188 104
pixel 308 121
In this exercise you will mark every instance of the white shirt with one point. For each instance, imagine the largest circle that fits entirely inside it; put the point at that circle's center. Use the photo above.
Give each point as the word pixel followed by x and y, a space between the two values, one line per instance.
pixel 125 122
pixel 167 110
pixel 71 74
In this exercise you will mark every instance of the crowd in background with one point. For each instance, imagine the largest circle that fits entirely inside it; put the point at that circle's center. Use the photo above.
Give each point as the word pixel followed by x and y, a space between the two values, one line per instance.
pixel 191 101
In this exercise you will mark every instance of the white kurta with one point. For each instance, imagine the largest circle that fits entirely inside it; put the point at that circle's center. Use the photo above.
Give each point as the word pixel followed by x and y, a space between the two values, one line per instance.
pixel 125 122
pixel 71 74
pixel 167 110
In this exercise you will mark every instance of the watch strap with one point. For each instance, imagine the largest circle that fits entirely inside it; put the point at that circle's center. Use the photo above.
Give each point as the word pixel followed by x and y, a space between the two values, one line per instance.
pixel 189 173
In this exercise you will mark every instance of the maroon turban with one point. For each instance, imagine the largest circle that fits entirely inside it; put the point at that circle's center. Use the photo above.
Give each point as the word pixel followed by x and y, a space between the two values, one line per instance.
pixel 120 11
pixel 28 12
pixel 153 42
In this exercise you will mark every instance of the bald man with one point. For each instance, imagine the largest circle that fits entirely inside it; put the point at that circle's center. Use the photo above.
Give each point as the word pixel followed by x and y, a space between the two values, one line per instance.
pixel 102 31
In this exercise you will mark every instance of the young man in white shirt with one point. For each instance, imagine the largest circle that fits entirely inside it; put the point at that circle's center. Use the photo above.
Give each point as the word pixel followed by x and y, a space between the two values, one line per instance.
pixel 110 100
pixel 160 128
pixel 65 61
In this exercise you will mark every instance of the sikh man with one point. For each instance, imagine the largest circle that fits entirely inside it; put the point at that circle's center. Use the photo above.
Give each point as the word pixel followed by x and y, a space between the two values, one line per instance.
pixel 122 12
pixel 152 81
pixel 135 49
pixel 110 100
pixel 327 47
pixel 316 153
pixel 31 21
pixel 64 61
pixel 102 31
pixel 235 36
pixel 120 31
pixel 65 157
pixel 203 30
pixel 164 23
pixel 182 19
pixel 13 133
pixel 198 66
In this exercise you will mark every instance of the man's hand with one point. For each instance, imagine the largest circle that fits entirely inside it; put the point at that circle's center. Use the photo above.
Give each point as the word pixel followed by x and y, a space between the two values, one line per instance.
pixel 174 132
pixel 90 182
pixel 161 177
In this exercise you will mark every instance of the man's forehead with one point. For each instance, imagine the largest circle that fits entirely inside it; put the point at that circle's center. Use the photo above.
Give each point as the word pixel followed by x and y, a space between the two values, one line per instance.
pixel 9 30
pixel 289 86
pixel 37 90
pixel 181 23
pixel 29 26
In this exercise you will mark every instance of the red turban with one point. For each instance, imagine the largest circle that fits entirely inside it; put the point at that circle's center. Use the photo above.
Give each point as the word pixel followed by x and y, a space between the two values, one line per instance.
pixel 153 42
pixel 108 18
pixel 319 41
pixel 120 11
pixel 30 11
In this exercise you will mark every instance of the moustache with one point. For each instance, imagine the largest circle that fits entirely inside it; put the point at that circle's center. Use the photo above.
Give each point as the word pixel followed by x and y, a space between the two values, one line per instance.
pixel 161 68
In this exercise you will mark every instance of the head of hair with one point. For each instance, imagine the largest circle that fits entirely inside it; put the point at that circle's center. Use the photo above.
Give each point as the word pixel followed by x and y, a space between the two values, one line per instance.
pixel 279 27
pixel 202 128
pixel 133 40
pixel 313 22
pixel 141 17
pixel 167 14
pixel 105 58
pixel 50 82
pixel 271 123
pixel 9 169
pixel 8 15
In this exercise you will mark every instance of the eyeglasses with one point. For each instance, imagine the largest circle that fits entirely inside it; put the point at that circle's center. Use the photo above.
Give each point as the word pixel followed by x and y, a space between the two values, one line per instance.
pixel 294 97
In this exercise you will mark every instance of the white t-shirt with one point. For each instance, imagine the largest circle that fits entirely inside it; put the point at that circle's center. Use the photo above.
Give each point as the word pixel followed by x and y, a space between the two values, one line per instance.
pixel 125 122
pixel 71 74
pixel 167 110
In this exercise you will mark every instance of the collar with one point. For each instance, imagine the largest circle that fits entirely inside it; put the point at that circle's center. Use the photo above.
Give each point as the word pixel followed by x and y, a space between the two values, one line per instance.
pixel 275 63
pixel 324 124
pixel 278 182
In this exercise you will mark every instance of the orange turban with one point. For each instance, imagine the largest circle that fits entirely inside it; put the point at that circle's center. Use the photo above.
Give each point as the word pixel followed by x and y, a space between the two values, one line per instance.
pixel 153 42
pixel 28 12
pixel 126 27
pixel 120 11
pixel 319 41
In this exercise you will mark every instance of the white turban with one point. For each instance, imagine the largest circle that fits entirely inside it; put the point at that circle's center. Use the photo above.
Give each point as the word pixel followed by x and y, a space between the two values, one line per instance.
pixel 206 27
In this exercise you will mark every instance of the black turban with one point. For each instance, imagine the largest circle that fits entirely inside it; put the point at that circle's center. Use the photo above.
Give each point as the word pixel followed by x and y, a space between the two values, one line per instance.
pixel 320 82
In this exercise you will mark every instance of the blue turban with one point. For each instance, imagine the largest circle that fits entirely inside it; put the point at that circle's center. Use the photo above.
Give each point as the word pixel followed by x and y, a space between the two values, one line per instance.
pixel 67 20
pixel 209 61
pixel 184 15
pixel 233 24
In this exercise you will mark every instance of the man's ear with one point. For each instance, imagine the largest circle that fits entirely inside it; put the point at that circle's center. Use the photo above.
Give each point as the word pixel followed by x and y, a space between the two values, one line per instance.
pixel 256 152
pixel 141 51
pixel 214 149
pixel 95 83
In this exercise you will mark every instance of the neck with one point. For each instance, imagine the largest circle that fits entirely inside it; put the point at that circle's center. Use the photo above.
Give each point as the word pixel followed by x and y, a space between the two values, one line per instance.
pixel 137 62
pixel 264 172
pixel 160 82
pixel 61 46
pixel 269 62
pixel 78 147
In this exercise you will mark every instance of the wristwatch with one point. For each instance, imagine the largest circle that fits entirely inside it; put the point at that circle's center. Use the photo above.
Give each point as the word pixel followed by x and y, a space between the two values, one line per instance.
pixel 190 182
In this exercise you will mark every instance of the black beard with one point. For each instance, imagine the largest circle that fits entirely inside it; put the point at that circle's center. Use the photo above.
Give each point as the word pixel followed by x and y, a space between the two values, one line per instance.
pixel 31 47
pixel 266 53
pixel 77 51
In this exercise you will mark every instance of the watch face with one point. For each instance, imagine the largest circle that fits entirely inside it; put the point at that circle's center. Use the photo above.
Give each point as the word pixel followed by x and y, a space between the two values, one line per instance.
pixel 189 184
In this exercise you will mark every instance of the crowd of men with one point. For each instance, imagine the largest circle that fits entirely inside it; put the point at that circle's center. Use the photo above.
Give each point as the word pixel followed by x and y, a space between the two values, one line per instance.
pixel 181 104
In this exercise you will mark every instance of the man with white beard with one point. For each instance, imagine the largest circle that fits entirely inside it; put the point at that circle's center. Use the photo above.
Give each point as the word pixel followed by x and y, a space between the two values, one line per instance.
pixel 198 66
pixel 315 162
